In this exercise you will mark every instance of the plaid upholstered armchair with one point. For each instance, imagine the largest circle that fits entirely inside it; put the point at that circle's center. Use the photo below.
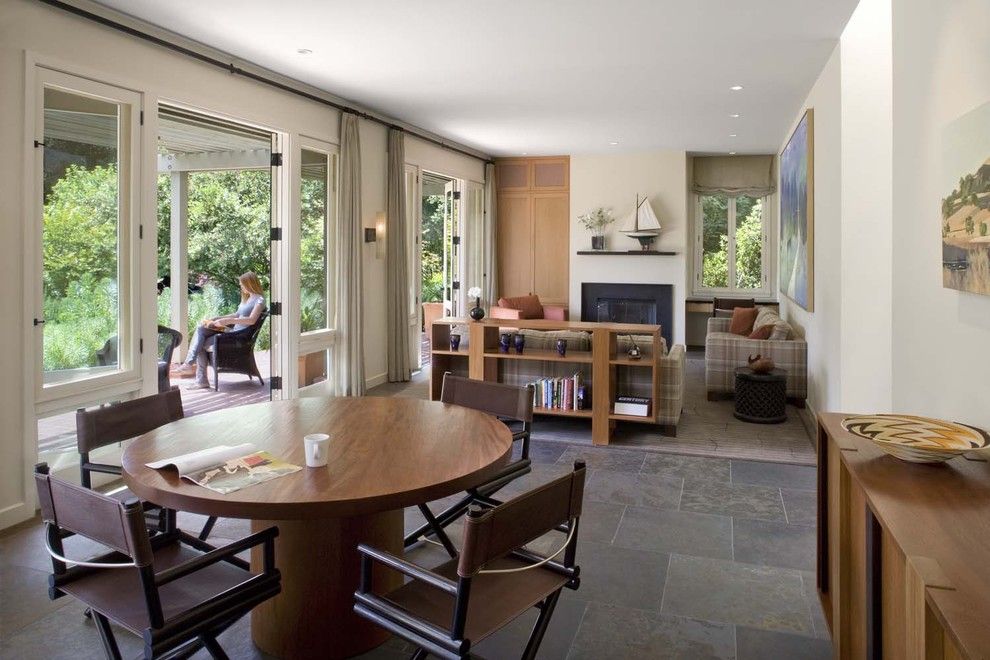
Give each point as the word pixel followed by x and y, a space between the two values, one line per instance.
pixel 724 351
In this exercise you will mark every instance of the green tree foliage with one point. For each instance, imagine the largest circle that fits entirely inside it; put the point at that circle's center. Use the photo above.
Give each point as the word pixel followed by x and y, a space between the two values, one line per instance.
pixel 432 248
pixel 749 247
pixel 970 225
pixel 715 240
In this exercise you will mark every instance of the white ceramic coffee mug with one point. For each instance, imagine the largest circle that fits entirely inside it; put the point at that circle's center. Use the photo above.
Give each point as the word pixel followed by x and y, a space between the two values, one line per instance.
pixel 317 447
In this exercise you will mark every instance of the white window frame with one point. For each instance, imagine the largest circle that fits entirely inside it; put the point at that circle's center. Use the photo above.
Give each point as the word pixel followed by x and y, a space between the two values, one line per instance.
pixel 767 291
pixel 323 339
pixel 127 377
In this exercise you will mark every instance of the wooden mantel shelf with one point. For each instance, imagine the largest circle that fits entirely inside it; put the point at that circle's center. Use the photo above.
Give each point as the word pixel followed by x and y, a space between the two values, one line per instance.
pixel 648 253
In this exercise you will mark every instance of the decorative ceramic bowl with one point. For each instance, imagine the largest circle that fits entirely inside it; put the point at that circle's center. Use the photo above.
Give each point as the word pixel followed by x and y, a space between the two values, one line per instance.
pixel 917 439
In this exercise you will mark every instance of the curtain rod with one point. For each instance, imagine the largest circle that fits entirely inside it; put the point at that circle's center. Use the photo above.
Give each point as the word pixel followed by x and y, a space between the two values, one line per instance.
pixel 231 68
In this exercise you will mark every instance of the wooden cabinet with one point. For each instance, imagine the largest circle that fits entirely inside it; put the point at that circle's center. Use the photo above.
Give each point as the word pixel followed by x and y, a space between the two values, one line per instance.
pixel 903 551
pixel 534 227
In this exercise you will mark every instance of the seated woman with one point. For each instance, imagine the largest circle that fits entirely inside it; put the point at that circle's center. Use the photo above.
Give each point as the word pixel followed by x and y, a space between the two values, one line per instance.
pixel 251 307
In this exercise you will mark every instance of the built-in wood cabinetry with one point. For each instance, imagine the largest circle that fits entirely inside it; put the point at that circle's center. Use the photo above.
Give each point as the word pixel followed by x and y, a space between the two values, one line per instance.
pixel 533 227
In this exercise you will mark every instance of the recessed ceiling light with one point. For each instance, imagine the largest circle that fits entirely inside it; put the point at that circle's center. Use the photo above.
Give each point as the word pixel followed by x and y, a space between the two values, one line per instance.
pixel 733 135
pixel 525 153
pixel 735 115
pixel 732 153
pixel 613 143
pixel 304 51
pixel 736 88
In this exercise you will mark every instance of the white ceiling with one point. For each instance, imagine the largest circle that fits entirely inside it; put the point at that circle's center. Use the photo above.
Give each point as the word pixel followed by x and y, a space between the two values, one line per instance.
pixel 541 76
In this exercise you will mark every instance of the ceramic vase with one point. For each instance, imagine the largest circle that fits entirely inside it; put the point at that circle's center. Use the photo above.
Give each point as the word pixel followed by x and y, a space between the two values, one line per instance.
pixel 520 342
pixel 455 342
pixel 504 341
pixel 561 347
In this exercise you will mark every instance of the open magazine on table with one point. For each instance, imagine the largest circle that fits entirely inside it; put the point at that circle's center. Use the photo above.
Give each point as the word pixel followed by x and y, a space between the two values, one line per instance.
pixel 227 468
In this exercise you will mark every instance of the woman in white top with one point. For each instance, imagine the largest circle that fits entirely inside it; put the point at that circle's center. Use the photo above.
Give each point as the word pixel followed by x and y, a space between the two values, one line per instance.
pixel 251 307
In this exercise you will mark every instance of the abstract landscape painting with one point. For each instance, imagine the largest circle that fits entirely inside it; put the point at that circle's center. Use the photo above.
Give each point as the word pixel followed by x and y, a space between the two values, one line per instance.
pixel 965 213
pixel 797 208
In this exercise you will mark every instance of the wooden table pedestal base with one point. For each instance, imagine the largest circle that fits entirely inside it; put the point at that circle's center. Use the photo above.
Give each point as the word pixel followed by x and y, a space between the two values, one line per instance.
pixel 313 617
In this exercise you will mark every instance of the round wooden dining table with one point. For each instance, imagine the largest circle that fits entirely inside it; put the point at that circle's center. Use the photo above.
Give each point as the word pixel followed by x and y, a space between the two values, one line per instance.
pixel 385 454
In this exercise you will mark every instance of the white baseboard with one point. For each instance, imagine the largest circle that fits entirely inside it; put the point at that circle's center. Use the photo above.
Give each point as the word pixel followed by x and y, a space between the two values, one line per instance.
pixel 16 513
pixel 375 381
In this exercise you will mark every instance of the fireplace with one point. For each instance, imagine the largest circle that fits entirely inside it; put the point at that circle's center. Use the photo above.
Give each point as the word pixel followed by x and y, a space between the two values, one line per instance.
pixel 652 304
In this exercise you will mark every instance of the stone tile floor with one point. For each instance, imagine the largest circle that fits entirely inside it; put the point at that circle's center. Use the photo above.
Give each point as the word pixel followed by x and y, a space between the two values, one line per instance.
pixel 682 557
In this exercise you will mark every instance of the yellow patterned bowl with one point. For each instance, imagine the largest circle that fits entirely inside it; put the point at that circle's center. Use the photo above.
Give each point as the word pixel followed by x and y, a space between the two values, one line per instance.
pixel 917 439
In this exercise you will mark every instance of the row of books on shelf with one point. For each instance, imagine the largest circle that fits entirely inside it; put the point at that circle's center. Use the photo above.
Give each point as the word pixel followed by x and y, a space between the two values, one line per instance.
pixel 568 393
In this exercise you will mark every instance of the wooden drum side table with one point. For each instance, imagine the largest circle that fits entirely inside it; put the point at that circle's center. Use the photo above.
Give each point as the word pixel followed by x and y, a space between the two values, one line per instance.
pixel 761 398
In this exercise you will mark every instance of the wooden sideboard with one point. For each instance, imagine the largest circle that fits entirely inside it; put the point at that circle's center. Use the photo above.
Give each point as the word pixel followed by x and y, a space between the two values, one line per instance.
pixel 903 551
pixel 480 360
pixel 533 207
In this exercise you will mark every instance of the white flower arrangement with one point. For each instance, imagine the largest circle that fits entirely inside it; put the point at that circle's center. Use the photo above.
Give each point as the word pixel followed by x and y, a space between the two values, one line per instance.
pixel 474 292
pixel 597 220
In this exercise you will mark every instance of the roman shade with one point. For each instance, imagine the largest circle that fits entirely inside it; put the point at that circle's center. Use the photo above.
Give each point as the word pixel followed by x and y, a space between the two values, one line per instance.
pixel 733 175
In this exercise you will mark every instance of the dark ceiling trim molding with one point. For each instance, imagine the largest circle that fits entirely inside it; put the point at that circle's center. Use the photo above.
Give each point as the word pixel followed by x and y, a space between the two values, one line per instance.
pixel 231 68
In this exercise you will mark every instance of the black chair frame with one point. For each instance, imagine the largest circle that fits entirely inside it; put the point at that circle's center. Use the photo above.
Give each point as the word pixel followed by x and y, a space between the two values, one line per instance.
pixel 482 494
pixel 184 634
pixel 173 339
pixel 233 352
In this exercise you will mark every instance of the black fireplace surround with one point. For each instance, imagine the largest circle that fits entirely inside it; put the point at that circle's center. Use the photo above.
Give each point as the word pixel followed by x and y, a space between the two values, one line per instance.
pixel 630 303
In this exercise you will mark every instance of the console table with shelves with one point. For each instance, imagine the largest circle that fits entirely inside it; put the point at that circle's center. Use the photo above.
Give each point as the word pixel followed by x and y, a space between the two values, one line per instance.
pixel 481 357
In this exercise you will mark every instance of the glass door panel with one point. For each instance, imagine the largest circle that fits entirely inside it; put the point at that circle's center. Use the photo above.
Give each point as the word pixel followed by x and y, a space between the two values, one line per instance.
pixel 315 247
pixel 85 228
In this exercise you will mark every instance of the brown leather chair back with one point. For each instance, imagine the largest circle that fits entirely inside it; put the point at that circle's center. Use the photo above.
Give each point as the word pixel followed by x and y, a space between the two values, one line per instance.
pixel 499 399
pixel 107 425
pixel 728 304
pixel 509 526
pixel 115 524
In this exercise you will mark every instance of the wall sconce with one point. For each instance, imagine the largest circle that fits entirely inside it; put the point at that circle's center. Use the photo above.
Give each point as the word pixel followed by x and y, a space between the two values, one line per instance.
pixel 380 235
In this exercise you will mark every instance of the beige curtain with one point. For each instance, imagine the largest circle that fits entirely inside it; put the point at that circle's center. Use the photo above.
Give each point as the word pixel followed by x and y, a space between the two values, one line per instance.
pixel 396 268
pixel 350 321
pixel 490 288
pixel 733 175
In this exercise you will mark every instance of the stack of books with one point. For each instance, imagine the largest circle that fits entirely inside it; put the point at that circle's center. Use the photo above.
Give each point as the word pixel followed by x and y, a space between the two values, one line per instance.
pixel 559 393
pixel 632 405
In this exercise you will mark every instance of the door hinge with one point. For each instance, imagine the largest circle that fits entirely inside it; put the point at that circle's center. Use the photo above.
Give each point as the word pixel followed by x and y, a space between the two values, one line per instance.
pixel 276 159
pixel 455 240
pixel 141 345
pixel 276 309
pixel 39 322
pixel 455 285
pixel 141 118
pixel 276 234
pixel 38 143
pixel 276 382
pixel 140 231
pixel 457 194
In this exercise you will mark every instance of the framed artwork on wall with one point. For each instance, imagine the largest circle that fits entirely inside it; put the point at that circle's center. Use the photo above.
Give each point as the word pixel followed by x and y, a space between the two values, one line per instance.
pixel 797 214
pixel 965 215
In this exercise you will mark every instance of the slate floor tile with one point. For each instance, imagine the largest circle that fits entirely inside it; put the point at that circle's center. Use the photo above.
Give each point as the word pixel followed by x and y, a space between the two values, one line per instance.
pixel 618 460
pixel 545 452
pixel 610 632
pixel 756 644
pixel 780 475
pixel 739 500
pixel 599 521
pixel 814 605
pixel 633 489
pixel 659 530
pixel 621 576
pixel 510 641
pixel 774 544
pixel 731 592
pixel 693 469
pixel 800 506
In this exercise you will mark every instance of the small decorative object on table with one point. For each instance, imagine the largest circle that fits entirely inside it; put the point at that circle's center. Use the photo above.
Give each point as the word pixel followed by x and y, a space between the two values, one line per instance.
pixel 634 353
pixel 455 341
pixel 561 347
pixel 476 313
pixel 760 364
pixel 504 341
pixel 520 342
pixel 596 221
pixel 917 439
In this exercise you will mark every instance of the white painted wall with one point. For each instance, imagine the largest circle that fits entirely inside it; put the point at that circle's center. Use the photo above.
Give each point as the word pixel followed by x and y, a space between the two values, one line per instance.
pixel 822 328
pixel 613 181
pixel 940 336
pixel 867 214
pixel 430 157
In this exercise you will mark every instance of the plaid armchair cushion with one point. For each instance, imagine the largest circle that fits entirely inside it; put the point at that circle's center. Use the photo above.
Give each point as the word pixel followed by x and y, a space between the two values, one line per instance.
pixel 725 351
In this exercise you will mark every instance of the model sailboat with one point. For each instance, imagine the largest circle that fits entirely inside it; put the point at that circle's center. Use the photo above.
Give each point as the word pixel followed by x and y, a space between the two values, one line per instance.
pixel 642 224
